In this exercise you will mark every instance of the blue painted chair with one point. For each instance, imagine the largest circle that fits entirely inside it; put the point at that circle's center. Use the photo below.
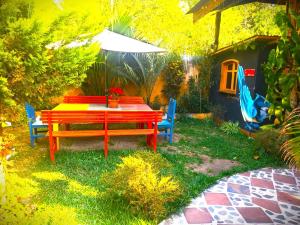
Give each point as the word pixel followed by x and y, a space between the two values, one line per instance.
pixel 34 125
pixel 167 125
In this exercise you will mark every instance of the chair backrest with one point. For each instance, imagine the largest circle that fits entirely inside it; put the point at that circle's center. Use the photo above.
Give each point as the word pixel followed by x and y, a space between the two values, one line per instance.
pixel 69 117
pixel 171 110
pixel 134 116
pixel 30 112
pixel 85 99
pixel 131 100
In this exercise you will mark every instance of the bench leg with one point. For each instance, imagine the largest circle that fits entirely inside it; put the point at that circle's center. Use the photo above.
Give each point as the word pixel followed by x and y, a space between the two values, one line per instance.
pixel 140 125
pixel 67 126
pixel 105 146
pixel 154 138
pixel 55 144
pixel 149 137
pixel 51 145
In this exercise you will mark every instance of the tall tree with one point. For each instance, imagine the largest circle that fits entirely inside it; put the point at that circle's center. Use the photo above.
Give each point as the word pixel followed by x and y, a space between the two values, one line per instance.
pixel 34 72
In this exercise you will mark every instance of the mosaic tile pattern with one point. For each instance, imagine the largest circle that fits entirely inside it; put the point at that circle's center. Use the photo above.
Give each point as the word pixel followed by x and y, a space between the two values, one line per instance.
pixel 261 197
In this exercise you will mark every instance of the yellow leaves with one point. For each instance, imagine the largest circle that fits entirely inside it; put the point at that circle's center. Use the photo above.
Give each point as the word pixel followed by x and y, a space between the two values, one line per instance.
pixel 139 181
pixel 18 74
pixel 55 214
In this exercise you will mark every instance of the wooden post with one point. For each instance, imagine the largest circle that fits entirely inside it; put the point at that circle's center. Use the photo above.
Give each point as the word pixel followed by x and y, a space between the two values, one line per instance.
pixel 217 29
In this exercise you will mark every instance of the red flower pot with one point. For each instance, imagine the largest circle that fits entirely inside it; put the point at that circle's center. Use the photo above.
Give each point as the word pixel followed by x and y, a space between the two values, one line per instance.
pixel 113 103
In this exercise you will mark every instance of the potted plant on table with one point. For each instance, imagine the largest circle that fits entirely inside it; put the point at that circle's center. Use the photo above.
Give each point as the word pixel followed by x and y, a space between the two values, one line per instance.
pixel 115 93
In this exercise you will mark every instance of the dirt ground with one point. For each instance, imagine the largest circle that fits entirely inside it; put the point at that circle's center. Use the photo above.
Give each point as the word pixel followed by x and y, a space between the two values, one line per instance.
pixel 208 166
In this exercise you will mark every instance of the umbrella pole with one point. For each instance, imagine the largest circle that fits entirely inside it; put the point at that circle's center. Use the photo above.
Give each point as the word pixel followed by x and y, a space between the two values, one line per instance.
pixel 105 80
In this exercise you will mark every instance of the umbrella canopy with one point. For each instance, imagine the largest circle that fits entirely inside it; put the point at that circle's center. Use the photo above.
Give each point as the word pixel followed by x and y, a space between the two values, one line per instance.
pixel 112 41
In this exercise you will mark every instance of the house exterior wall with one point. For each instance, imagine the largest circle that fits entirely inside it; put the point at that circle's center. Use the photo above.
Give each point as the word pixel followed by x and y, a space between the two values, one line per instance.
pixel 249 59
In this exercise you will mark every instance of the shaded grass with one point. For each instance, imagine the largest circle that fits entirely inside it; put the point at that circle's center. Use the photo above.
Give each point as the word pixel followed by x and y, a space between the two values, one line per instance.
pixel 74 180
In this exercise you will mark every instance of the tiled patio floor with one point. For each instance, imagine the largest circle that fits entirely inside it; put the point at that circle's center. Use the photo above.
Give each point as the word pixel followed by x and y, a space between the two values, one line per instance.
pixel 267 196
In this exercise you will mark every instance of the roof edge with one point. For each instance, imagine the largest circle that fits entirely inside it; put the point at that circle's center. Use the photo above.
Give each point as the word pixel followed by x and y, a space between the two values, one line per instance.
pixel 266 38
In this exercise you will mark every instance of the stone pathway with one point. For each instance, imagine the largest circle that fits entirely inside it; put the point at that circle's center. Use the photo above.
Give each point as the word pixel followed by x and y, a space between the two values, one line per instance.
pixel 266 196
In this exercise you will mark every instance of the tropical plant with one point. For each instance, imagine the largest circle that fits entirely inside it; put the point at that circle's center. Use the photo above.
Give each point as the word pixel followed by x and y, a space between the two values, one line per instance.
pixel 282 71
pixel 109 68
pixel 230 127
pixel 291 130
pixel 173 76
pixel 143 71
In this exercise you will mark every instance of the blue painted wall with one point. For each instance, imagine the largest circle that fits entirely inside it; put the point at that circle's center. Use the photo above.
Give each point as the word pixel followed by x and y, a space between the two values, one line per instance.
pixel 249 59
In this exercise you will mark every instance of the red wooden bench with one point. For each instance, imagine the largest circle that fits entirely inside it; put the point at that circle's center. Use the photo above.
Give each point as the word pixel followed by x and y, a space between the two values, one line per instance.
pixel 131 100
pixel 85 99
pixel 102 99
pixel 104 117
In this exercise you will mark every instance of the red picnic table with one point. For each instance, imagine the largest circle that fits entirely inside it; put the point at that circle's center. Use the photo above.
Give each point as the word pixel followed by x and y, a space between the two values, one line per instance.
pixel 67 113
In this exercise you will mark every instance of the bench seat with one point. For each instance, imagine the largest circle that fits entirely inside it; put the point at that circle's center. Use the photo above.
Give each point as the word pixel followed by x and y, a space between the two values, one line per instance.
pixel 99 133
pixel 78 133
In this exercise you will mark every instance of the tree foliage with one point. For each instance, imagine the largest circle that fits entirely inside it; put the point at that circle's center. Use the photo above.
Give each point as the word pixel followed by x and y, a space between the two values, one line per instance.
pixel 173 76
pixel 282 69
pixel 165 22
pixel 35 73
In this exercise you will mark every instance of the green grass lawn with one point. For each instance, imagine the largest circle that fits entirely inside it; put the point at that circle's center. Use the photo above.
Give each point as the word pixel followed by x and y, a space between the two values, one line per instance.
pixel 71 188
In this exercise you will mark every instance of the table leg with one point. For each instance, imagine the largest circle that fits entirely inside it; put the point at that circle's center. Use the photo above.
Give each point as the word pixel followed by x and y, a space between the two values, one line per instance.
pixel 56 128
pixel 149 126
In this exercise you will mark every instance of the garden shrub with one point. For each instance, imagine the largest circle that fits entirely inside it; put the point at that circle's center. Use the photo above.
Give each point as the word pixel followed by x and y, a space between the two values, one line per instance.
pixel 191 101
pixel 156 103
pixel 230 127
pixel 173 76
pixel 138 179
pixel 269 140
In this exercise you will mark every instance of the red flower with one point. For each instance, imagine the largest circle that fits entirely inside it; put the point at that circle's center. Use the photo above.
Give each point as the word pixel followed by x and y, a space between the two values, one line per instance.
pixel 115 92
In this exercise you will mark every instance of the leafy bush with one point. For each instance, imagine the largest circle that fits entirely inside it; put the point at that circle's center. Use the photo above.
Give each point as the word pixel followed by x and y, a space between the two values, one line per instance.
pixel 230 127
pixel 269 140
pixel 196 99
pixel 173 76
pixel 192 102
pixel 156 103
pixel 34 72
pixel 138 179
pixel 282 68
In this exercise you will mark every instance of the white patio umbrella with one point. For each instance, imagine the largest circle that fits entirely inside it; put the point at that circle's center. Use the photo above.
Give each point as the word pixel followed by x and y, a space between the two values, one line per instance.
pixel 111 41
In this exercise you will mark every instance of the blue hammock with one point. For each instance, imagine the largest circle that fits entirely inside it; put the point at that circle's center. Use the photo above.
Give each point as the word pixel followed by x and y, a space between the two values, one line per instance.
pixel 254 111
